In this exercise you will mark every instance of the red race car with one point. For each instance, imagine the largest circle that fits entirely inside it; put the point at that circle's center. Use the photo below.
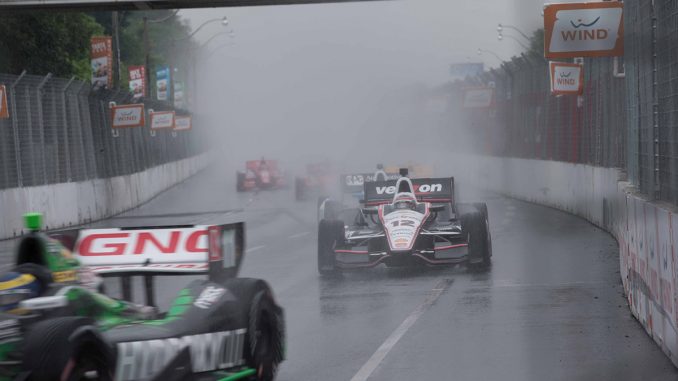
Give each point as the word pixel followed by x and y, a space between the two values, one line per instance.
pixel 319 179
pixel 258 175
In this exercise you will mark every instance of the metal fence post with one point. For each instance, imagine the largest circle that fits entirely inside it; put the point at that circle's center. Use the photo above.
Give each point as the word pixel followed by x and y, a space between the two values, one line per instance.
pixel 15 128
pixel 41 124
pixel 67 148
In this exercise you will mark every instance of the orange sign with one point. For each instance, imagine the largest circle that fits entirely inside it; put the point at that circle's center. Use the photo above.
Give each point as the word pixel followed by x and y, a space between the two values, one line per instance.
pixel 584 30
pixel 4 111
pixel 101 54
pixel 128 116
pixel 162 119
pixel 566 78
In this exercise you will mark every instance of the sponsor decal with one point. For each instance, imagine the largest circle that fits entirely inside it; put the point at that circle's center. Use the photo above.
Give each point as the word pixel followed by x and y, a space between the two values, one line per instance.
pixel 402 227
pixel 418 189
pixel 107 247
pixel 479 98
pixel 208 296
pixel 65 276
pixel 4 111
pixel 566 78
pixel 101 59
pixel 128 116
pixel 162 119
pixel 584 30
pixel 182 123
pixel 137 81
pixel 139 360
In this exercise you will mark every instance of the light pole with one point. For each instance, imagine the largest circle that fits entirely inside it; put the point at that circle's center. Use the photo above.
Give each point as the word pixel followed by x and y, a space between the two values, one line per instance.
pixel 500 28
pixel 481 51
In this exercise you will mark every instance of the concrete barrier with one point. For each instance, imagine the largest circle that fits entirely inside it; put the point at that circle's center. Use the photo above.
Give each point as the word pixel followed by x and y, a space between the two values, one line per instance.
pixel 70 204
pixel 646 231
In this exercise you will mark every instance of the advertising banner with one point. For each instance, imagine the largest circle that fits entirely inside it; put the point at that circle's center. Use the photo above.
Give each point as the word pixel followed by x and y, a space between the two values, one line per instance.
pixel 178 94
pixel 566 78
pixel 162 119
pixel 467 69
pixel 479 97
pixel 162 78
pixel 182 123
pixel 4 111
pixel 128 116
pixel 137 81
pixel 584 30
pixel 101 55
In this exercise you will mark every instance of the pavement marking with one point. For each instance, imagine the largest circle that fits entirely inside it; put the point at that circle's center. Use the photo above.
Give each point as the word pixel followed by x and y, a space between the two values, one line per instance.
pixel 299 235
pixel 255 248
pixel 371 365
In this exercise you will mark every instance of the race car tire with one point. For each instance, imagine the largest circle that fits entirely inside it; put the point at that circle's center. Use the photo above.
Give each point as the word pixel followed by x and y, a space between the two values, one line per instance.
pixel 328 209
pixel 483 208
pixel 475 226
pixel 265 341
pixel 300 192
pixel 66 348
pixel 240 182
pixel 265 337
pixel 329 232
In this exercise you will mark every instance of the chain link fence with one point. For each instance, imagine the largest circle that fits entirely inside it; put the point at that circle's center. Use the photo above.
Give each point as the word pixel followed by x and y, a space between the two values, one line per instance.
pixel 626 118
pixel 59 130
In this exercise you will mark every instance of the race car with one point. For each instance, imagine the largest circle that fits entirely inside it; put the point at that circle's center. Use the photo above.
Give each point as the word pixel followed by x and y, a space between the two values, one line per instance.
pixel 259 175
pixel 55 326
pixel 404 222
pixel 319 178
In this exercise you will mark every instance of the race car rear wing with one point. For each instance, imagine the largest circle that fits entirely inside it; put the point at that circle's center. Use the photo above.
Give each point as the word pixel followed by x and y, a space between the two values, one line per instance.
pixel 433 190
pixel 215 250
pixel 353 183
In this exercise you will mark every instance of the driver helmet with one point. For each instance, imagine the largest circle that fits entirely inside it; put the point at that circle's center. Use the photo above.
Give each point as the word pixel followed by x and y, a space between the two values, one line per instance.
pixel 404 201
pixel 16 287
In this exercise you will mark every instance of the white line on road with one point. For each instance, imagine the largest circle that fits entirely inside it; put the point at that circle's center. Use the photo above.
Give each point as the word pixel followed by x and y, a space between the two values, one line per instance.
pixel 255 248
pixel 371 365
pixel 299 235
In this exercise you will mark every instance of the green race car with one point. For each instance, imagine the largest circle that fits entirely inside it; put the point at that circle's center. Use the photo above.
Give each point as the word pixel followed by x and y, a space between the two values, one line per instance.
pixel 56 323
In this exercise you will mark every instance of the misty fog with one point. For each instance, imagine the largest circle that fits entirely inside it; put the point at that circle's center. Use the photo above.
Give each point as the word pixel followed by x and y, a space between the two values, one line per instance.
pixel 341 81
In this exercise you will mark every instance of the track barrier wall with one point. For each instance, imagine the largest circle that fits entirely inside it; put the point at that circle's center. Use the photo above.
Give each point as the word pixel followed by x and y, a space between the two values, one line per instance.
pixel 646 231
pixel 74 203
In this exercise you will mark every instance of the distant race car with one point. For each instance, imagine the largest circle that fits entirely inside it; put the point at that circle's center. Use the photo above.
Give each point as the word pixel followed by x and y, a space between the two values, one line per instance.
pixel 319 178
pixel 56 324
pixel 404 222
pixel 259 175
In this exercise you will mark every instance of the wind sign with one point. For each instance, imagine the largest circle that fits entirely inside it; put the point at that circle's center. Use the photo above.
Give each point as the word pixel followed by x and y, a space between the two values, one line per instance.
pixel 584 30
pixel 479 97
pixel 566 78
pixel 128 116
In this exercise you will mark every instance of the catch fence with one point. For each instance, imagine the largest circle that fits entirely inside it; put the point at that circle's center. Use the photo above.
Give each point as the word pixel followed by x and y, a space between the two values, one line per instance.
pixel 626 118
pixel 59 130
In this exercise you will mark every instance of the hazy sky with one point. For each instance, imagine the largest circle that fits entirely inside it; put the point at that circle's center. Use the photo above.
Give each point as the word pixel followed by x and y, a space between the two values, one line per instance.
pixel 308 79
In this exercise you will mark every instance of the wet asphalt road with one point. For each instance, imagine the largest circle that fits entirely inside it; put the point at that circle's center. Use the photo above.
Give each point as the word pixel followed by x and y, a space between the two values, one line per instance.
pixel 551 308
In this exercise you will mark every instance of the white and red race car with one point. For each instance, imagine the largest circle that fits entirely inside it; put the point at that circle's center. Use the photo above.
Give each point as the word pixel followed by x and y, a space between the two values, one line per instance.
pixel 404 222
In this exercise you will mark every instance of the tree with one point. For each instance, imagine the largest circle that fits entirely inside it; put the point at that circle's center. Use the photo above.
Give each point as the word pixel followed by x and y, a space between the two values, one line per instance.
pixel 47 42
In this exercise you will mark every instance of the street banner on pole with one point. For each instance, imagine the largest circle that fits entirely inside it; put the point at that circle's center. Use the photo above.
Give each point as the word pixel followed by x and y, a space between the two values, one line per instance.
pixel 178 94
pixel 4 111
pixel 162 78
pixel 566 78
pixel 128 116
pixel 584 30
pixel 137 81
pixel 162 119
pixel 101 56
pixel 479 97
pixel 183 123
